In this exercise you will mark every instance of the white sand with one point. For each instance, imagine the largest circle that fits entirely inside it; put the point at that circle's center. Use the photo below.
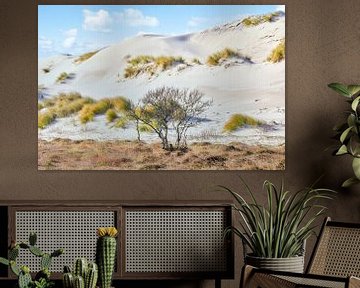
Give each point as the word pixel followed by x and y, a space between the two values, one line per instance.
pixel 256 89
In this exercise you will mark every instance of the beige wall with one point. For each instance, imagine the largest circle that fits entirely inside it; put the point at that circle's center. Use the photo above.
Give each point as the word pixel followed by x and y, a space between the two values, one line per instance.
pixel 323 46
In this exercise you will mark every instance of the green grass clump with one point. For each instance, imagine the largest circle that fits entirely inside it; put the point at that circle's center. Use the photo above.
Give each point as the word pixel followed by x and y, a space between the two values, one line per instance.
pixel 86 114
pixel 145 128
pixel 63 105
pixel 150 64
pixel 141 60
pixel 278 53
pixel 259 19
pixel 122 123
pixel 85 57
pixel 118 104
pixel 196 61
pixel 68 108
pixel 62 77
pixel 111 115
pixel 131 71
pixel 88 111
pixel 66 104
pixel 121 104
pixel 237 121
pixel 215 58
pixel 45 119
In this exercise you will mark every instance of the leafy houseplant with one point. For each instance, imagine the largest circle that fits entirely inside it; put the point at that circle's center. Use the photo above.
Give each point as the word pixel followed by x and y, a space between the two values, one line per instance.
pixel 349 132
pixel 279 229
pixel 42 278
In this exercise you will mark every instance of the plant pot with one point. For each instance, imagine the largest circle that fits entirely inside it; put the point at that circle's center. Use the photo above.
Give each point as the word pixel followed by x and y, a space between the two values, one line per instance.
pixel 291 264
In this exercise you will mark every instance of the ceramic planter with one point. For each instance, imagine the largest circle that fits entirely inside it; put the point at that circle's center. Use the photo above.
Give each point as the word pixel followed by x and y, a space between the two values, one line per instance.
pixel 291 264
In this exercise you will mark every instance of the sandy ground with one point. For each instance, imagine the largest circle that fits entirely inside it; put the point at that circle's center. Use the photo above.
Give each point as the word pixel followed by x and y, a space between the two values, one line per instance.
pixel 256 89
pixel 132 155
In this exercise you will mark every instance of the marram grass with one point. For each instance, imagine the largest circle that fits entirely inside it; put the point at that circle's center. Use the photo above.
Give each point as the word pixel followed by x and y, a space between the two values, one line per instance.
pixel 67 104
pixel 277 54
pixel 237 121
pixel 216 58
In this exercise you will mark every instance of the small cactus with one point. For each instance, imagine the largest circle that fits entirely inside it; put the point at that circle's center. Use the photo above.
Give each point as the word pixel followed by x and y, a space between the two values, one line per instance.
pixel 24 280
pixel 32 239
pixel 13 253
pixel 91 276
pixel 36 251
pixel 79 282
pixel 68 280
pixel 23 273
pixel 45 261
pixel 80 268
pixel 84 274
pixel 106 254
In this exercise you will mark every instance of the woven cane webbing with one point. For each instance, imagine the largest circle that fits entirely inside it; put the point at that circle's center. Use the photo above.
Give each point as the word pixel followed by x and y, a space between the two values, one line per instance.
pixel 175 241
pixel 300 282
pixel 268 281
pixel 338 252
pixel 74 231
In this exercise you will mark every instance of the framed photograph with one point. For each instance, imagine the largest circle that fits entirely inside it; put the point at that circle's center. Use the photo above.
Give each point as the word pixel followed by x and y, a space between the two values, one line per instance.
pixel 161 87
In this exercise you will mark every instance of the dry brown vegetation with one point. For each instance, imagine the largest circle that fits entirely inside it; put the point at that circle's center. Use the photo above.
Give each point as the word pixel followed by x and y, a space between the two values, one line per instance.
pixel 132 155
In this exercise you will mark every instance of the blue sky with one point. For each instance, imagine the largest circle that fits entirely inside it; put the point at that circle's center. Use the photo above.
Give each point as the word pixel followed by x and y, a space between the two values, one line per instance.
pixel 75 29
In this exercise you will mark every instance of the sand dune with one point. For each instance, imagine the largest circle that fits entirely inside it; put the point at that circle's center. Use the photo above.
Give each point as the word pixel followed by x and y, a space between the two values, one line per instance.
pixel 256 89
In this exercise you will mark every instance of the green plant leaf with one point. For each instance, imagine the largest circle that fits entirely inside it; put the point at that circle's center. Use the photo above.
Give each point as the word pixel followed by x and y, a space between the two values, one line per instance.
pixel 354 145
pixel 351 120
pixel 355 103
pixel 356 167
pixel 340 88
pixel 349 182
pixel 345 134
pixel 4 261
pixel 342 150
pixel 353 89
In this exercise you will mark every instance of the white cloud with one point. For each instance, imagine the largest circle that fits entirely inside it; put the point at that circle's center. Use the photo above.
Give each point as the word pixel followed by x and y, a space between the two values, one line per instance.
pixel 196 21
pixel 70 38
pixel 135 18
pixel 280 8
pixel 45 43
pixel 97 21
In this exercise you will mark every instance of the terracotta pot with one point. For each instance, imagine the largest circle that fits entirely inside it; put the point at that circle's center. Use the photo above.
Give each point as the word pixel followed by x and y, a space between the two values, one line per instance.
pixel 291 264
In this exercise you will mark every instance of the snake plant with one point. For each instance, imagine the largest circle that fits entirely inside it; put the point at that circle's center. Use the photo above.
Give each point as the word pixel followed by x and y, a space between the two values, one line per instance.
pixel 279 228
pixel 348 132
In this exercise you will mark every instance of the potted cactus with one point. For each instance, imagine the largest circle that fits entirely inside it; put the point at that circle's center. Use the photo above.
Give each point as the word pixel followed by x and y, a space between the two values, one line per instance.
pixel 106 254
pixel 42 278
pixel 84 275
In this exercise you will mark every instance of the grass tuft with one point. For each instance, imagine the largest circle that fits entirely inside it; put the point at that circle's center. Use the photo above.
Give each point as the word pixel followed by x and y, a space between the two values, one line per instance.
pixel 66 104
pixel 122 123
pixel 278 53
pixel 121 104
pixel 82 58
pixel 145 128
pixel 45 119
pixel 111 115
pixel 219 56
pixel 259 19
pixel 196 61
pixel 150 64
pixel 237 121
pixel 62 77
